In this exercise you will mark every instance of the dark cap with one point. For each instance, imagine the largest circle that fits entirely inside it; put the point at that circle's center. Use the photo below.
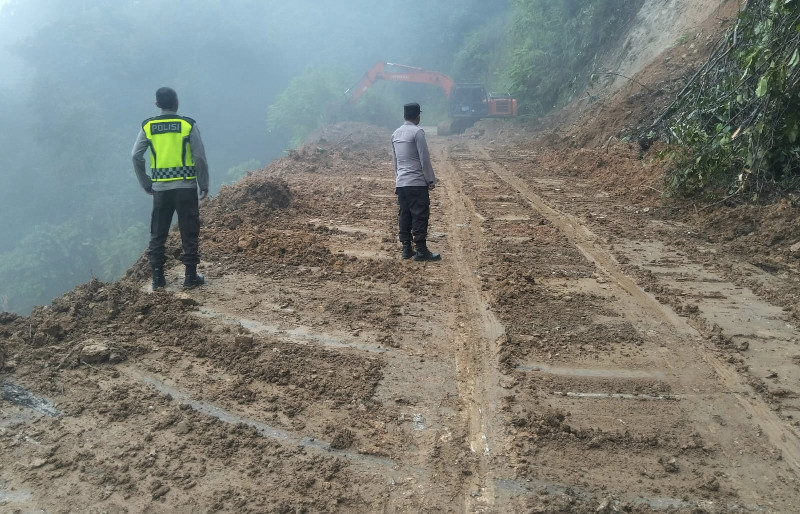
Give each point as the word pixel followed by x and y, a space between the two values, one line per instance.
pixel 411 111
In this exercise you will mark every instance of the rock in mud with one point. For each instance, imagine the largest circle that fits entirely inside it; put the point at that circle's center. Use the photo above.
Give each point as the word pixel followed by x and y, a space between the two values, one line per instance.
pixel 38 463
pixel 607 505
pixel 95 352
pixel 670 464
pixel 161 491
pixel 246 242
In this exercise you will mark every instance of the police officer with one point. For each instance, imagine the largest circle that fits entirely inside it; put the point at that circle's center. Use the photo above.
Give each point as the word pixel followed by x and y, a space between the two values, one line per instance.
pixel 414 178
pixel 178 166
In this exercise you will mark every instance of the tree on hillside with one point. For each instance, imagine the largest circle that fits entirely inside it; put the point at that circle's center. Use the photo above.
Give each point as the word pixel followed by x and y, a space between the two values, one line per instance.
pixel 735 127
pixel 303 105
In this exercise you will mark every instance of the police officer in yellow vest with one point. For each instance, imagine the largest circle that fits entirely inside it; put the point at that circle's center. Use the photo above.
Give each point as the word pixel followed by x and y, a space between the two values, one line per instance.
pixel 178 167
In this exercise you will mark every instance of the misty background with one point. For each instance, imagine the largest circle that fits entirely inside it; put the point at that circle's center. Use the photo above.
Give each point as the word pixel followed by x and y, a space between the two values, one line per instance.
pixel 79 76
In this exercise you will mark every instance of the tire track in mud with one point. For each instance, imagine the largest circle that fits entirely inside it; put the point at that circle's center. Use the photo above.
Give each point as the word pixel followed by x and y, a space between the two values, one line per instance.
pixel 495 482
pixel 671 399
pixel 373 463
pixel 476 351
pixel 780 435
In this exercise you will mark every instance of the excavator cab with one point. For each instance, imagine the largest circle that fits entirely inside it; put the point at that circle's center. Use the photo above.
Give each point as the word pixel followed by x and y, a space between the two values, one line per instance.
pixel 468 101
pixel 471 101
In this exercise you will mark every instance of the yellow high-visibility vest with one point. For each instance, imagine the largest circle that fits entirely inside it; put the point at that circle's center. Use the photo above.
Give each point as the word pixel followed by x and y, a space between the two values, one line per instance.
pixel 170 151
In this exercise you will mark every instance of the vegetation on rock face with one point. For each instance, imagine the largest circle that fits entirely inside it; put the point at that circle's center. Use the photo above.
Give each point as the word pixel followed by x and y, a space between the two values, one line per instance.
pixel 554 46
pixel 735 128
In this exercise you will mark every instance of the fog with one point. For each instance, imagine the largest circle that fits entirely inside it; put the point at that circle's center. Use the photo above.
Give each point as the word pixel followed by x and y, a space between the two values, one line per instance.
pixel 79 76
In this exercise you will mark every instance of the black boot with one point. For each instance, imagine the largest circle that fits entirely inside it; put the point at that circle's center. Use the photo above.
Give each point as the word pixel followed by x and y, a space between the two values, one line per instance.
pixel 423 254
pixel 191 278
pixel 158 278
pixel 408 252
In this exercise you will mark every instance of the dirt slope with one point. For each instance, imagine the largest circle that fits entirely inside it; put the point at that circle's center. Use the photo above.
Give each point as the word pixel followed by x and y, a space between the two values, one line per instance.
pixel 584 346
pixel 665 24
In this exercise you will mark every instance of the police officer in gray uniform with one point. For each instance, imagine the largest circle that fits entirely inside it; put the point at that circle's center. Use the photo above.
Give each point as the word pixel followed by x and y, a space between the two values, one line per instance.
pixel 414 178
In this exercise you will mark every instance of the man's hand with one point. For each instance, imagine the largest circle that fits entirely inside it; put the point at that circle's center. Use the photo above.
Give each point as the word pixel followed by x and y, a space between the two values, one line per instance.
pixel 203 194
pixel 431 186
pixel 149 190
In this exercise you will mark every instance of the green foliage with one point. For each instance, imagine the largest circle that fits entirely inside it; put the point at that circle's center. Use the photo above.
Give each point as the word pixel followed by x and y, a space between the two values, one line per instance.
pixel 480 57
pixel 40 265
pixel 116 252
pixel 53 258
pixel 735 127
pixel 303 106
pixel 553 43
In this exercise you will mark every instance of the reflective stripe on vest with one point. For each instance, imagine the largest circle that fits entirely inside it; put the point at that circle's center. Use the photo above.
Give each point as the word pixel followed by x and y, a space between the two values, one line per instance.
pixel 170 151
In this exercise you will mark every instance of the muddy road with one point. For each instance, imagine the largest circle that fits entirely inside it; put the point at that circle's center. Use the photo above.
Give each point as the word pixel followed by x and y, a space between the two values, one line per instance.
pixel 578 349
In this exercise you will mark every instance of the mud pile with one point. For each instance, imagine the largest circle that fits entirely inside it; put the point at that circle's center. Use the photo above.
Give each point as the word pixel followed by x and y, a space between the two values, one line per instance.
pixel 55 336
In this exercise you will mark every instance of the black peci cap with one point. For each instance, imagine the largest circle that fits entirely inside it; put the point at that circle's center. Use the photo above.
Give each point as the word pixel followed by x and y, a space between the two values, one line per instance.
pixel 411 111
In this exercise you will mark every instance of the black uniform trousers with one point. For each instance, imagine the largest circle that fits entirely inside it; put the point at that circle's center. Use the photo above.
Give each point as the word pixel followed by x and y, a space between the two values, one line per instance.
pixel 415 209
pixel 165 204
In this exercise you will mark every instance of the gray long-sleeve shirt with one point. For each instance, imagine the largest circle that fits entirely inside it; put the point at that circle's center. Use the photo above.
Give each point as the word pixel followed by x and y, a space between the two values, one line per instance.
pixel 198 156
pixel 412 160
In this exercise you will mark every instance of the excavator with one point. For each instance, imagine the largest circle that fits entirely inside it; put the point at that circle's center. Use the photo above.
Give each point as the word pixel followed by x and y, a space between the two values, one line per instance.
pixel 468 102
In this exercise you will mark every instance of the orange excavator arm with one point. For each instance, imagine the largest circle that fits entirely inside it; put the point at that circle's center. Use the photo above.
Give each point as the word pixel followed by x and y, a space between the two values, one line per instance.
pixel 401 73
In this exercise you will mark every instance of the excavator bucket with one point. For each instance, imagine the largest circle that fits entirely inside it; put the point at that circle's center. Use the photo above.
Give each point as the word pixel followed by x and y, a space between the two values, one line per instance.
pixel 444 128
